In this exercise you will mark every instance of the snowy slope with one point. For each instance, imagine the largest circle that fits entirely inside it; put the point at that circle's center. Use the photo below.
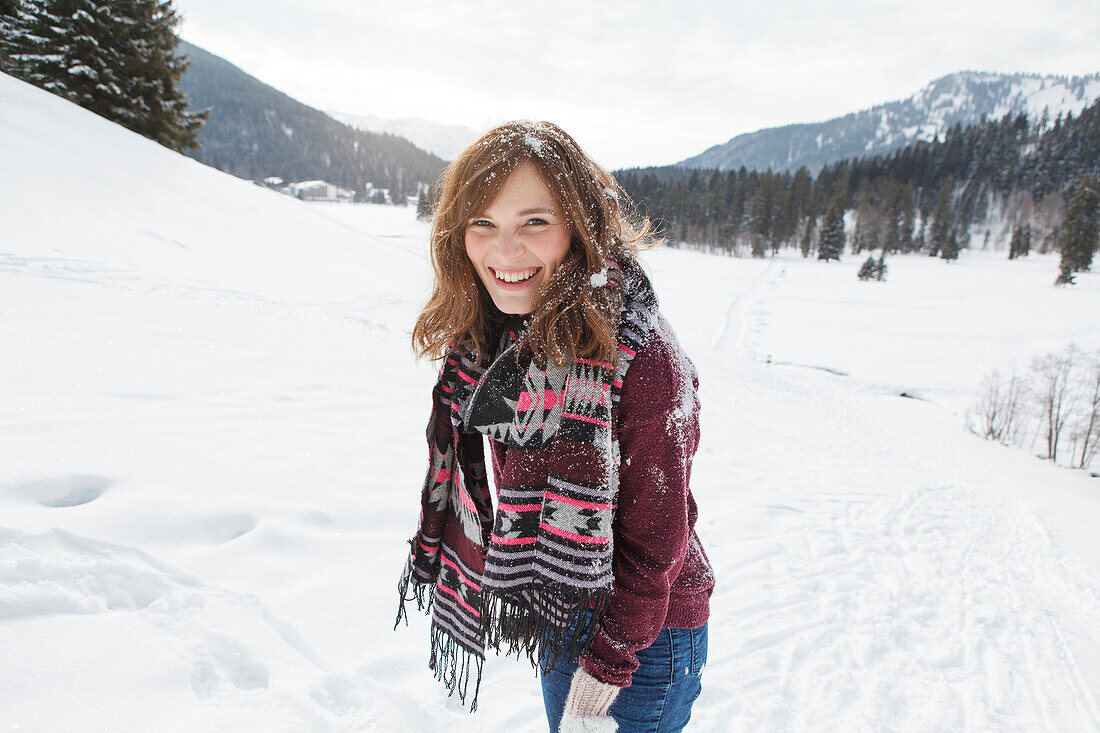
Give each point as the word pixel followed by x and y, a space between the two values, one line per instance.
pixel 962 98
pixel 446 141
pixel 211 451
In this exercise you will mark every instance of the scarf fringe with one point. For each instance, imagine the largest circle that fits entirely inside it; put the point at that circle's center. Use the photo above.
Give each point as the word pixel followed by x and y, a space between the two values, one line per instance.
pixel 509 624
pixel 450 661
pixel 422 592
pixel 453 664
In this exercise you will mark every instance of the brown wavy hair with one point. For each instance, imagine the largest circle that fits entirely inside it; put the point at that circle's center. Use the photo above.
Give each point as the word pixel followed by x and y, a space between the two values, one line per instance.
pixel 571 318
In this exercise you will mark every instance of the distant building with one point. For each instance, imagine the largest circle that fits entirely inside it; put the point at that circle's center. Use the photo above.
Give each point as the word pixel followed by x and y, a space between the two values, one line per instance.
pixel 273 181
pixel 319 191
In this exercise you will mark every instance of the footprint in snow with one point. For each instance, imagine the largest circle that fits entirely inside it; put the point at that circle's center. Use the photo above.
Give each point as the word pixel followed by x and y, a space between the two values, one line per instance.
pixel 61 491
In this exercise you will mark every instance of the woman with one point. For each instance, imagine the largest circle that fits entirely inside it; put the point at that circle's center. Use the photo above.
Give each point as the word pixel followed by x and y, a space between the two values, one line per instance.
pixel 553 347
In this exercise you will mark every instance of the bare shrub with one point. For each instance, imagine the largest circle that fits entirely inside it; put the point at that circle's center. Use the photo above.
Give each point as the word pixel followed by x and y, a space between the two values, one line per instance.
pixel 1054 391
pixel 1086 428
pixel 1056 403
pixel 999 412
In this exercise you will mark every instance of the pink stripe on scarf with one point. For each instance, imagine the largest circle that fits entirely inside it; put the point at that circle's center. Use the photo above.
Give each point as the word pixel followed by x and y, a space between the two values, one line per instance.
pixel 462 575
pixel 458 598
pixel 462 494
pixel 520 507
pixel 591 362
pixel 574 537
pixel 585 418
pixel 513 540
pixel 577 502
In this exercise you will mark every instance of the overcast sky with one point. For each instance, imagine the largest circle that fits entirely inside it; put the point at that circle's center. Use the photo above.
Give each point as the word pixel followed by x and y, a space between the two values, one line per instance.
pixel 639 82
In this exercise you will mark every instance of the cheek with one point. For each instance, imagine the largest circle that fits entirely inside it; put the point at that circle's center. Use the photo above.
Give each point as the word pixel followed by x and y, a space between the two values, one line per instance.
pixel 557 249
pixel 474 253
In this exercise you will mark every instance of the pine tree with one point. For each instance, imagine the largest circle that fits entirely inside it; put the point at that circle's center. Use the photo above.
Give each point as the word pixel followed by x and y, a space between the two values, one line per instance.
pixel 116 59
pixel 1065 275
pixel 152 73
pixel 760 218
pixel 832 233
pixel 872 268
pixel 950 249
pixel 15 22
pixel 907 204
pixel 1079 232
pixel 868 221
pixel 807 236
pixel 64 47
pixel 867 269
pixel 425 196
pixel 942 226
pixel 1021 242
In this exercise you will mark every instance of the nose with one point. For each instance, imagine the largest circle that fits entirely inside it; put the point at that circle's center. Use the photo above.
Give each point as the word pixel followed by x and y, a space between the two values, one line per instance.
pixel 508 246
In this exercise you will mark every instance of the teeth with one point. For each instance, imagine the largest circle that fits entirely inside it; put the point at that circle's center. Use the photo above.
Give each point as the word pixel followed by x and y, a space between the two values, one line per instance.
pixel 516 276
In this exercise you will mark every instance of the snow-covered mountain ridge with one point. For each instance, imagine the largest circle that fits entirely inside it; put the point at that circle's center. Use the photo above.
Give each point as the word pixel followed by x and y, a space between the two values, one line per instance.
pixel 963 98
pixel 446 141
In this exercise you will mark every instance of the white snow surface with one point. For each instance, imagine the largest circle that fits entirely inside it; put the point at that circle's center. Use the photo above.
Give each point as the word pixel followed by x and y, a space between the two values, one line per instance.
pixel 211 454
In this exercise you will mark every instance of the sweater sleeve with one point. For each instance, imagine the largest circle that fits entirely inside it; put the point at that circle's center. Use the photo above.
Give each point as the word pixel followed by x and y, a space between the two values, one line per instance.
pixel 658 432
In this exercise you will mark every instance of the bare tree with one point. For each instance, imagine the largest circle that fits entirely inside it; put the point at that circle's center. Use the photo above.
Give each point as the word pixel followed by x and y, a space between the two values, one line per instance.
pixel 1086 437
pixel 998 412
pixel 1054 391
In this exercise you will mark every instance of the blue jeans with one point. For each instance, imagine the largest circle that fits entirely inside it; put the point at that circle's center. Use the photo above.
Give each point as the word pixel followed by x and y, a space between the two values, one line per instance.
pixel 662 689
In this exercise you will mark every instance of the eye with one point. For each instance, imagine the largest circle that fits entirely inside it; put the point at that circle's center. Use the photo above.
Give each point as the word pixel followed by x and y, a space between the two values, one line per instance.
pixel 535 222
pixel 480 223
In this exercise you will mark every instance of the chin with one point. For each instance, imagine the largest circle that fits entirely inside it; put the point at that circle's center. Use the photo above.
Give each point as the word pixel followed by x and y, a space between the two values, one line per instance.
pixel 513 309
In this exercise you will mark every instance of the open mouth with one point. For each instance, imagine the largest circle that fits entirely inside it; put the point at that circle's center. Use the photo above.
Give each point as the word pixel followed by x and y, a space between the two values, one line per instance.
pixel 515 276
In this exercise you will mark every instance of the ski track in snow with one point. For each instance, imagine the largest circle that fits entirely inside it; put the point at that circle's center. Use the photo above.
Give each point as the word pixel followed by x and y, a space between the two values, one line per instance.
pixel 939 611
pixel 743 313
pixel 939 608
pixel 368 312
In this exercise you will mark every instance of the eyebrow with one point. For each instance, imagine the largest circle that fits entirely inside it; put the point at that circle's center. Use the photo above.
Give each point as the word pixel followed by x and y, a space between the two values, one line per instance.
pixel 525 212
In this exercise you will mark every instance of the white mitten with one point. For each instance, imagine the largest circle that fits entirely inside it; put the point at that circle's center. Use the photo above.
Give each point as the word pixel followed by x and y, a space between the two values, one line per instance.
pixel 587 704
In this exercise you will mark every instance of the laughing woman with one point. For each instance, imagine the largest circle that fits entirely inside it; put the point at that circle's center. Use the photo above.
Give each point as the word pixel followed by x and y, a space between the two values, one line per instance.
pixel 553 347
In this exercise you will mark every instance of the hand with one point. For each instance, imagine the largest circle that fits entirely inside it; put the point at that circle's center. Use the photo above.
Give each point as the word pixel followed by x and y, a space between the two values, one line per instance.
pixel 587 704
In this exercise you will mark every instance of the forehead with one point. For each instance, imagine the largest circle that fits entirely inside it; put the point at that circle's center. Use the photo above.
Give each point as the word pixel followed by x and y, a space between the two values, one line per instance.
pixel 523 188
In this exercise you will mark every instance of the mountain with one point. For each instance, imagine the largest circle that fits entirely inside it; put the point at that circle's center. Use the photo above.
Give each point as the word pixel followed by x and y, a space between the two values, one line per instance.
pixel 446 141
pixel 993 176
pixel 256 131
pixel 963 98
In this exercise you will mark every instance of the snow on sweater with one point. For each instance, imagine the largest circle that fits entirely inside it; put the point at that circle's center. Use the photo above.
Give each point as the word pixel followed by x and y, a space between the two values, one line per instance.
pixel 662 575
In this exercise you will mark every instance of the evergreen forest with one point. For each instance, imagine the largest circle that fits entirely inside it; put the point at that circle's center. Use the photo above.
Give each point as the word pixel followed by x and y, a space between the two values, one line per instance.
pixel 116 59
pixel 1013 174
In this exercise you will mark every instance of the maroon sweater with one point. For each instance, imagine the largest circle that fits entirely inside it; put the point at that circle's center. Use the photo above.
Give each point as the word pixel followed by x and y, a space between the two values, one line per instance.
pixel 662 575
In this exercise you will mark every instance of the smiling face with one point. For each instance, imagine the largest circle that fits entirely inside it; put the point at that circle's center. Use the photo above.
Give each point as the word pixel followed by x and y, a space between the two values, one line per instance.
pixel 518 241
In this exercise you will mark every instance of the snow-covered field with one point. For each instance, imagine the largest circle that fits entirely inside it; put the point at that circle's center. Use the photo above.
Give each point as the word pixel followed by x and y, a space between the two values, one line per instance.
pixel 211 451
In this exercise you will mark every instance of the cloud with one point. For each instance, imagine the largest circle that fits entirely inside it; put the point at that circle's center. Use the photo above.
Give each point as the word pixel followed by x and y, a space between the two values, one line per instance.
pixel 645 82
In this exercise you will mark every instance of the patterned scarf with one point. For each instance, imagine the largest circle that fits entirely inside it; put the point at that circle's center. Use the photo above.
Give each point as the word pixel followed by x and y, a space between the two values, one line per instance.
pixel 527 576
